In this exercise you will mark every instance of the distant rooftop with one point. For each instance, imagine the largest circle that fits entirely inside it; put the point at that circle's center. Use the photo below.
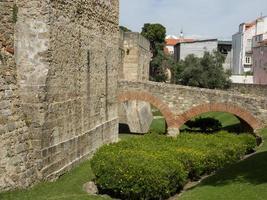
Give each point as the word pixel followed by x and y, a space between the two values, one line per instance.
pixel 173 42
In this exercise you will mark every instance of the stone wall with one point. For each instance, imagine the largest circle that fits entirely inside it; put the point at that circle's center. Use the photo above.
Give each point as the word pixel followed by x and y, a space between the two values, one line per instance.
pixel 136 57
pixel 67 56
pixel 135 61
pixel 66 69
pixel 17 166
pixel 250 89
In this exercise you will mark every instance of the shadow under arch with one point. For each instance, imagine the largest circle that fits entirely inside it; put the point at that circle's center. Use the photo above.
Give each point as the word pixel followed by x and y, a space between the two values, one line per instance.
pixel 239 112
pixel 155 101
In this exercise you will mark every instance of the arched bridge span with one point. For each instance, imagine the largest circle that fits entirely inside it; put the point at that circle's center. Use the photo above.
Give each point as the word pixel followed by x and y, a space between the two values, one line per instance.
pixel 178 104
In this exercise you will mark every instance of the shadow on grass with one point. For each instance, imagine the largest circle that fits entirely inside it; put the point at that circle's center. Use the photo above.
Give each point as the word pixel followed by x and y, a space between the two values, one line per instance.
pixel 251 170
pixel 234 128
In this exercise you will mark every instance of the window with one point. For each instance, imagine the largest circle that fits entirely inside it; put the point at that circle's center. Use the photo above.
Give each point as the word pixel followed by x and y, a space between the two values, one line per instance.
pixel 248 60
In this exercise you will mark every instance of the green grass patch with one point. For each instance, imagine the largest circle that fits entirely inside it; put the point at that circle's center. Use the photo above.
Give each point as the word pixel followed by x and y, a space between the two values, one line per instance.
pixel 245 180
pixel 67 187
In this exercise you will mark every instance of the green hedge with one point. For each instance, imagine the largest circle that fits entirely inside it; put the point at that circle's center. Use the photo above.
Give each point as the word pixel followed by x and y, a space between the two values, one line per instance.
pixel 156 167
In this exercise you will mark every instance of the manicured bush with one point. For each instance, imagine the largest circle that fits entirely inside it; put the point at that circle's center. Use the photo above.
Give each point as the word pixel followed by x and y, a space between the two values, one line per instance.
pixel 138 174
pixel 207 124
pixel 156 167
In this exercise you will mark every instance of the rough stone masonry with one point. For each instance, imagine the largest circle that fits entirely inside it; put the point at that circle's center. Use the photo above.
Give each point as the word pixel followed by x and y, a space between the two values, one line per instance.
pixel 178 104
pixel 135 61
pixel 58 85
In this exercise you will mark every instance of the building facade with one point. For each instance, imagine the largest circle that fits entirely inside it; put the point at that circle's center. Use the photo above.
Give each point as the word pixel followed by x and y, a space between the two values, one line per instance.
pixel 171 41
pixel 243 44
pixel 260 63
pixel 199 47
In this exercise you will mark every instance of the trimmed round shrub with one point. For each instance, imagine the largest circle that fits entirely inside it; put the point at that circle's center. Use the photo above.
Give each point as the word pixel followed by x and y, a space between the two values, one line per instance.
pixel 138 174
pixel 156 167
pixel 207 124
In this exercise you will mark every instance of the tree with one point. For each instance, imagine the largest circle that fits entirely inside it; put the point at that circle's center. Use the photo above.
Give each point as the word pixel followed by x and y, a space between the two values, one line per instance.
pixel 206 72
pixel 158 68
pixel 125 29
pixel 156 34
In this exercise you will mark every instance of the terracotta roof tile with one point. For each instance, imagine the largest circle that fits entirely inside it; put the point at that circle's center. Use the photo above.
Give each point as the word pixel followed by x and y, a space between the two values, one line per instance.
pixel 173 42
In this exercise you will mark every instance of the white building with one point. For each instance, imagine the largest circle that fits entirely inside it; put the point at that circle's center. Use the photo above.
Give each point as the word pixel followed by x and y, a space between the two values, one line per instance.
pixel 199 47
pixel 242 45
pixel 172 40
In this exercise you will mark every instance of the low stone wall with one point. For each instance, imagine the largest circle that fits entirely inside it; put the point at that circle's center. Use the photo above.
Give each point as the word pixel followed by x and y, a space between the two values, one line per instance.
pixel 250 89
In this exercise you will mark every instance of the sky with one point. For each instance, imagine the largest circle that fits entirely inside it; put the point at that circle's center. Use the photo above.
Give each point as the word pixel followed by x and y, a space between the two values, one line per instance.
pixel 197 18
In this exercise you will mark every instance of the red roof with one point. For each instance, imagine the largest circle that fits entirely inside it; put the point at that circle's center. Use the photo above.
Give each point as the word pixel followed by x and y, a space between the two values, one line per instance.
pixel 173 42
pixel 263 42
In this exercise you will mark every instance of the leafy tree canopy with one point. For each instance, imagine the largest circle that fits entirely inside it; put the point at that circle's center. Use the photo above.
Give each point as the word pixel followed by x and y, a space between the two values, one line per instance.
pixel 156 34
pixel 206 72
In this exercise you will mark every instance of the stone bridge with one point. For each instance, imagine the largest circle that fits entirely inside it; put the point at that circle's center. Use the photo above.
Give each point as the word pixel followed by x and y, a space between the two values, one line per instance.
pixel 178 104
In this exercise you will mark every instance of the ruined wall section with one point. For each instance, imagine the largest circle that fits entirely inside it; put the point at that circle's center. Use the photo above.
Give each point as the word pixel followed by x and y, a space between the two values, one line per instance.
pixel 17 169
pixel 68 66
pixel 136 58
pixel 135 62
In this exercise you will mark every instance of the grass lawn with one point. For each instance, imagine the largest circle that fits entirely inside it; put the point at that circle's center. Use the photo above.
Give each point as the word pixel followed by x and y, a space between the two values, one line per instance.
pixel 68 187
pixel 246 180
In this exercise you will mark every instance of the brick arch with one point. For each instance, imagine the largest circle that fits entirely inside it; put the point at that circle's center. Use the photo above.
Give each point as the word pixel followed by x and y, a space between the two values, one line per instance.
pixel 220 107
pixel 155 101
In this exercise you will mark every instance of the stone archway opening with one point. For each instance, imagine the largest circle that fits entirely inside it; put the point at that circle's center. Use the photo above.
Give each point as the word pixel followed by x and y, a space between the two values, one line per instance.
pixel 154 101
pixel 212 122
pixel 246 119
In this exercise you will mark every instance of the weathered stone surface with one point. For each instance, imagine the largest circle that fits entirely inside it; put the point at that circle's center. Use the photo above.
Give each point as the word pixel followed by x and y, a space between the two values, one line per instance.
pixel 250 89
pixel 16 162
pixel 66 69
pixel 138 116
pixel 90 188
pixel 135 59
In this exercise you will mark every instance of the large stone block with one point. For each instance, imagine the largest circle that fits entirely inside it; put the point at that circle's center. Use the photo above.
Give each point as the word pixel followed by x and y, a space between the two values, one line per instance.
pixel 138 116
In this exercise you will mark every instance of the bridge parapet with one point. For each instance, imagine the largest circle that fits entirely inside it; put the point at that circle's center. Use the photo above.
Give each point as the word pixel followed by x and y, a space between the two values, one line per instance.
pixel 250 89
pixel 181 103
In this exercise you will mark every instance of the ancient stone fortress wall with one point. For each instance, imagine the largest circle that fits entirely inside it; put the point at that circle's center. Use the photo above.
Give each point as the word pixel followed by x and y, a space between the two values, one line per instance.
pixel 66 55
pixel 17 158
pixel 135 61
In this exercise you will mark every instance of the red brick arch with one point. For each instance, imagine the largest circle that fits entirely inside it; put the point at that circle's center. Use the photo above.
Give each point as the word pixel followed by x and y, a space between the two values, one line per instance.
pixel 220 107
pixel 148 97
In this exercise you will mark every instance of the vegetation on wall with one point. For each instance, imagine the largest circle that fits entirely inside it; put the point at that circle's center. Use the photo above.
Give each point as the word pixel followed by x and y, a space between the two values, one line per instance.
pixel 15 13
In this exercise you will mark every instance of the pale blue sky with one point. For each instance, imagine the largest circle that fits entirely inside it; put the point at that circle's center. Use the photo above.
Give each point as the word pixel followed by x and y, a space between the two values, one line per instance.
pixel 206 18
